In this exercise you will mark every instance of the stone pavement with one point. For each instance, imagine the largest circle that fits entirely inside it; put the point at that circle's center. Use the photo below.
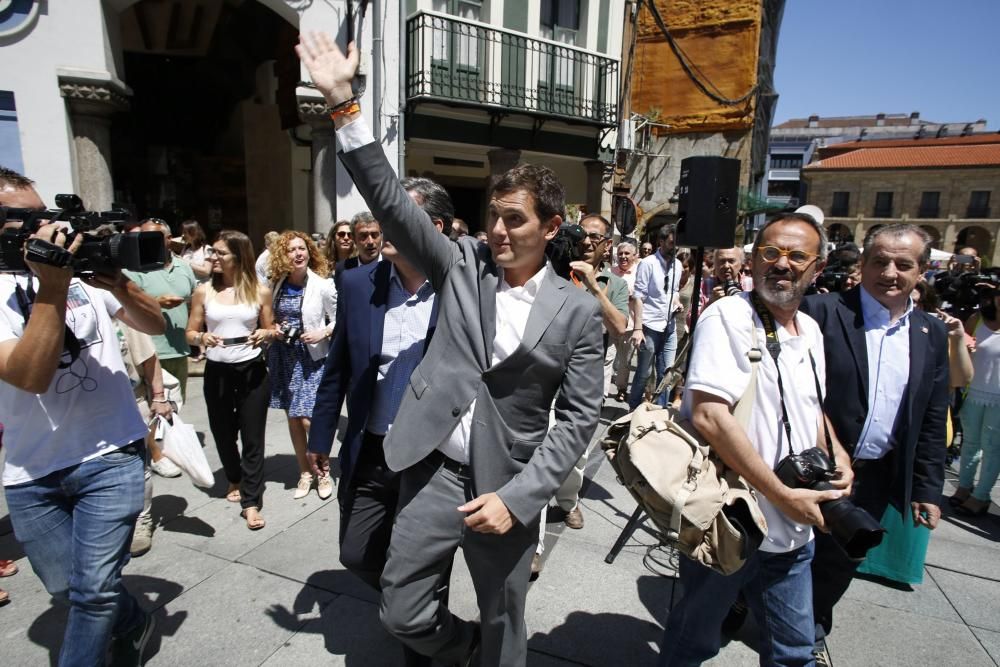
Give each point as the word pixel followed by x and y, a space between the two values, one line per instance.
pixel 224 595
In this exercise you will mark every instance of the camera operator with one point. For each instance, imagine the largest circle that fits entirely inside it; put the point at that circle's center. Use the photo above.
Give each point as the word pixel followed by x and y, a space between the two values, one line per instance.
pixel 612 293
pixel 888 389
pixel 74 438
pixel 726 278
pixel 775 580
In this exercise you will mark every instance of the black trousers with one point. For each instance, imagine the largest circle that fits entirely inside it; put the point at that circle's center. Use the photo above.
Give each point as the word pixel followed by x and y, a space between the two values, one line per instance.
pixel 367 508
pixel 832 570
pixel 236 396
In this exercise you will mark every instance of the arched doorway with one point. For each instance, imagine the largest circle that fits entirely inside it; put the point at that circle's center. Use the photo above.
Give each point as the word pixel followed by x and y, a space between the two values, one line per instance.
pixel 210 133
pixel 935 235
pixel 839 233
pixel 976 237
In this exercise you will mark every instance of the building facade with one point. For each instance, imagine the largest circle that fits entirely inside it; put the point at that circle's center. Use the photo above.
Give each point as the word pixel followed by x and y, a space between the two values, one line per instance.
pixel 948 186
pixel 200 109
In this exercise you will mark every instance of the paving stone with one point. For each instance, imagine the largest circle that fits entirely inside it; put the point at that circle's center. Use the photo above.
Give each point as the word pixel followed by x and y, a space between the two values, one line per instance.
pixel 975 559
pixel 239 616
pixel 925 599
pixel 976 599
pixel 990 641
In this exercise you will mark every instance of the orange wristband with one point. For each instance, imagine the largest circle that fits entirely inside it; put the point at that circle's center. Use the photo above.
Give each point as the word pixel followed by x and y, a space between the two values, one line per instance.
pixel 353 107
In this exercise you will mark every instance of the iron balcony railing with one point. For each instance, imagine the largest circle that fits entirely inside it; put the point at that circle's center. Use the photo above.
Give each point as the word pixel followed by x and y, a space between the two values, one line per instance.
pixel 457 60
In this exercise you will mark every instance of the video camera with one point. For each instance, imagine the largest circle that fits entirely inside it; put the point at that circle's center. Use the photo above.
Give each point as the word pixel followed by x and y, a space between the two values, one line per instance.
pixel 565 248
pixel 833 279
pixel 967 291
pixel 100 252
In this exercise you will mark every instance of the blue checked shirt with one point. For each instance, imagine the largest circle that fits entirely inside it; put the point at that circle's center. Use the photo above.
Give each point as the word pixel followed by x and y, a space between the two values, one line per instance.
pixel 407 319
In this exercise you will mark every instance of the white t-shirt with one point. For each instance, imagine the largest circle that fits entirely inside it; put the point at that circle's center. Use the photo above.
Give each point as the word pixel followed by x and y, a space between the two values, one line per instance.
pixel 719 366
pixel 88 410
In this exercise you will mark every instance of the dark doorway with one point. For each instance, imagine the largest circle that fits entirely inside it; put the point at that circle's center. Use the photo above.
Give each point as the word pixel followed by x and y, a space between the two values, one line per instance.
pixel 469 206
pixel 181 150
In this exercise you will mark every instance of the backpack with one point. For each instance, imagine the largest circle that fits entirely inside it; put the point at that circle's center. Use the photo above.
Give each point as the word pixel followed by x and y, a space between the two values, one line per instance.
pixel 701 507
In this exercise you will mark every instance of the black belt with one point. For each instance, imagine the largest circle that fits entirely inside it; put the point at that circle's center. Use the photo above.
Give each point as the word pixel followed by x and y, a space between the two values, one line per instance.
pixel 438 459
pixel 239 340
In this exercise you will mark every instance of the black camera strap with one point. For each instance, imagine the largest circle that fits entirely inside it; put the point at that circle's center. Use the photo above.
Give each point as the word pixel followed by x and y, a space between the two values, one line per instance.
pixel 774 349
pixel 25 300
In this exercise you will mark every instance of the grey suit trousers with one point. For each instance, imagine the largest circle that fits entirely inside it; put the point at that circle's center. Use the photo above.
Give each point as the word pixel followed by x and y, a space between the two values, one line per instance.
pixel 428 524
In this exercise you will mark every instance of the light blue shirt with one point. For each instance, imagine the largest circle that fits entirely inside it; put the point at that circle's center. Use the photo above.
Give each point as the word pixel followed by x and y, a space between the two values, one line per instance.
pixel 888 347
pixel 407 319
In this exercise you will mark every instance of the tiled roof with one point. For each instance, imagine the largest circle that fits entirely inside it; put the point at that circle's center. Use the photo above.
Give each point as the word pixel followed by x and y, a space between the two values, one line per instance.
pixel 980 155
pixel 853 121
pixel 847 146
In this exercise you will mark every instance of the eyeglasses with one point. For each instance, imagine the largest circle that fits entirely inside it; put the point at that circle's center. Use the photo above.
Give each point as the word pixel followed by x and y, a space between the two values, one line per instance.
pixel 212 252
pixel 596 238
pixel 799 258
pixel 343 235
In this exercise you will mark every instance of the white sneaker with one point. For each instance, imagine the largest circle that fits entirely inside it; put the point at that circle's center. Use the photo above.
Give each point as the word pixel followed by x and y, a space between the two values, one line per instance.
pixel 165 468
pixel 324 487
pixel 142 538
pixel 302 488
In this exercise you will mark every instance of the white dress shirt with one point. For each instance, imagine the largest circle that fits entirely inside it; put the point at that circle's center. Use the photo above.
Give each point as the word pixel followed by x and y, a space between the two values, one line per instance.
pixel 657 285
pixel 888 345
pixel 513 305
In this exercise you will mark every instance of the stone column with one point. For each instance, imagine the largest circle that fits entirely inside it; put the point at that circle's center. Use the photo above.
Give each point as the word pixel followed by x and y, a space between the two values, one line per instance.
pixel 315 112
pixel 595 185
pixel 950 239
pixel 91 103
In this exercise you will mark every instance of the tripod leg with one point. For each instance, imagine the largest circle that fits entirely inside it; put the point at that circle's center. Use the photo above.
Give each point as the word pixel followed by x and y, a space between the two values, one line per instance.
pixel 627 531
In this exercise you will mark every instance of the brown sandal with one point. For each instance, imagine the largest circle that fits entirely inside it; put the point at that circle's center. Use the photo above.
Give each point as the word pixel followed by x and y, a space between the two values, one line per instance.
pixel 8 568
pixel 233 494
pixel 4 597
pixel 254 521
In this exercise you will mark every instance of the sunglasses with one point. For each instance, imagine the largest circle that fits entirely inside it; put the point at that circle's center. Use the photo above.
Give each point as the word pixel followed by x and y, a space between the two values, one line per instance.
pixel 343 235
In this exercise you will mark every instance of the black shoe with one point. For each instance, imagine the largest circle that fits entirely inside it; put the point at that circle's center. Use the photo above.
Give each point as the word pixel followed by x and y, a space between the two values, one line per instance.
pixel 822 654
pixel 127 650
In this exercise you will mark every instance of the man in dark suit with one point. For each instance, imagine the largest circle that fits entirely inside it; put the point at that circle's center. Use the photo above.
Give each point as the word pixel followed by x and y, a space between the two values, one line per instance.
pixel 471 438
pixel 385 315
pixel 887 397
pixel 367 234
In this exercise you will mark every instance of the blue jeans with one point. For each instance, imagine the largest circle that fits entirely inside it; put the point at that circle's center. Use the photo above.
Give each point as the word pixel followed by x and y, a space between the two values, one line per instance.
pixel 659 344
pixel 980 443
pixel 75 525
pixel 778 589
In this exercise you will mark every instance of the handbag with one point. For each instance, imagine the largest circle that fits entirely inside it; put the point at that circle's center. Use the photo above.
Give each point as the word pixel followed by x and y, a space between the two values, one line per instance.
pixel 703 508
pixel 181 445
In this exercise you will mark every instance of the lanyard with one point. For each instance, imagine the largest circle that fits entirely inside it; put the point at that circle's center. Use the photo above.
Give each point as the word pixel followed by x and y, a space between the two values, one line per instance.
pixel 774 349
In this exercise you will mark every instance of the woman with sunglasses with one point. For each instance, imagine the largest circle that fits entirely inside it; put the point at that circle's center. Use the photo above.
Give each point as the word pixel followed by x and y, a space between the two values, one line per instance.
pixel 231 318
pixel 339 244
pixel 305 306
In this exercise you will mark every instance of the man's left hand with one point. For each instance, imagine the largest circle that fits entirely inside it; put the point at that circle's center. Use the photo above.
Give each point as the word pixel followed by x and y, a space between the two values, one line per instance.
pixel 926 514
pixel 488 514
pixel 585 274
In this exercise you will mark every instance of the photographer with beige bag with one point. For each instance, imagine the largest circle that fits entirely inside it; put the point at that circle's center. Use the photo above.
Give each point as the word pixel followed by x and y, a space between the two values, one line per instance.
pixel 785 420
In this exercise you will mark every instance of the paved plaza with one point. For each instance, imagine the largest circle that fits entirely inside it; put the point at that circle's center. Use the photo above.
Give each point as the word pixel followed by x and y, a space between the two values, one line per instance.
pixel 224 595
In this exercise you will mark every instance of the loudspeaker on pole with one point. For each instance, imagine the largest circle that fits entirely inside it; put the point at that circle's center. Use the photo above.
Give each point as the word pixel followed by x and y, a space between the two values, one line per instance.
pixel 708 201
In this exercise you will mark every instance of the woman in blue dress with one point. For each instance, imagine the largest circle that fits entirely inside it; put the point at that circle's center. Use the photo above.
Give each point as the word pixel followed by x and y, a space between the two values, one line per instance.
pixel 305 309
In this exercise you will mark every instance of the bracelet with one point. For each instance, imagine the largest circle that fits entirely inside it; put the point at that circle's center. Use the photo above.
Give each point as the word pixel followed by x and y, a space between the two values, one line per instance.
pixel 340 110
pixel 343 105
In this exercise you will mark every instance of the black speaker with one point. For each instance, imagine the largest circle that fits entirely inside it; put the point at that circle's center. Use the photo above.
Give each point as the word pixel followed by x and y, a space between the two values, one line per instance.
pixel 708 201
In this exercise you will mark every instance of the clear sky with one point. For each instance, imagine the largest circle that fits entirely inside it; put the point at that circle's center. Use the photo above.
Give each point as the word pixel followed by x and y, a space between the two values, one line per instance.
pixel 854 57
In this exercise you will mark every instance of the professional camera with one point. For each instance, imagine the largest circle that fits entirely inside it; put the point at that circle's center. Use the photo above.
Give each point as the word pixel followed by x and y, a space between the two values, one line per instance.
pixel 833 279
pixel 565 248
pixel 854 529
pixel 965 291
pixel 731 287
pixel 289 332
pixel 99 253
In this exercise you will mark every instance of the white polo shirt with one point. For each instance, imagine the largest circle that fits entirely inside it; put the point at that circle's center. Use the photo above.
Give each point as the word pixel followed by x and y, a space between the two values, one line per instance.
pixel 719 366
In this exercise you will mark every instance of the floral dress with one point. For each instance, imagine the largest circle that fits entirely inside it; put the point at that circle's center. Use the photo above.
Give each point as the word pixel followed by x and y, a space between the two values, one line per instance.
pixel 295 376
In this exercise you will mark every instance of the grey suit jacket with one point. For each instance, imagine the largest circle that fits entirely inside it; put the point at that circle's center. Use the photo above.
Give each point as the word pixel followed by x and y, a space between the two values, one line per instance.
pixel 511 450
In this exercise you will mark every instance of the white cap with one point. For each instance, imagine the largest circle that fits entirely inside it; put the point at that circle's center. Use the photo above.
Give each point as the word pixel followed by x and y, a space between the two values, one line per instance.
pixel 815 212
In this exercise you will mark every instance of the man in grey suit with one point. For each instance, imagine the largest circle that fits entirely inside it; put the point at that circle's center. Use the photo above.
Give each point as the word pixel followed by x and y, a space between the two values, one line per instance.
pixel 472 435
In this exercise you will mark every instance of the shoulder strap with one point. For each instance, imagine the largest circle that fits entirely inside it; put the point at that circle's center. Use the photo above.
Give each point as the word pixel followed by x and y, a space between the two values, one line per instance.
pixel 744 406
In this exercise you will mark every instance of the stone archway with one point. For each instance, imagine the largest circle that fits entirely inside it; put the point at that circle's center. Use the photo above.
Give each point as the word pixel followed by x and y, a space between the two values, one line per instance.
pixel 976 237
pixel 213 101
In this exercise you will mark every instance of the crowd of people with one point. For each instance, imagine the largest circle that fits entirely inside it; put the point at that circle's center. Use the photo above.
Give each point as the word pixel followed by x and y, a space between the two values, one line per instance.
pixel 473 377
